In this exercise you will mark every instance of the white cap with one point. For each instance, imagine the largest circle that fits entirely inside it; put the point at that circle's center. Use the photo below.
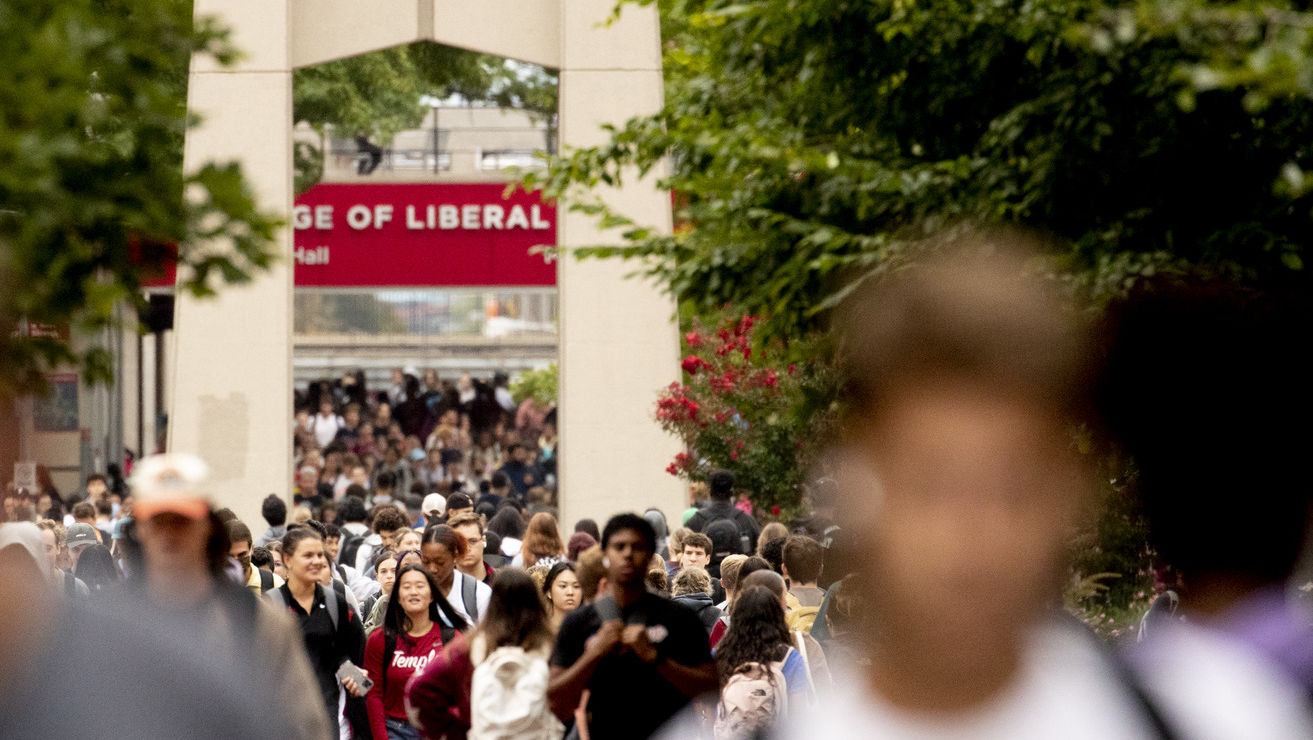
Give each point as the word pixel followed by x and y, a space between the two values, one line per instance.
pixel 172 482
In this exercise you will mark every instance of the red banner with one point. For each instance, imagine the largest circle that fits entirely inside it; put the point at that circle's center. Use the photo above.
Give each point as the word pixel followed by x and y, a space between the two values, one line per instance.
pixel 419 235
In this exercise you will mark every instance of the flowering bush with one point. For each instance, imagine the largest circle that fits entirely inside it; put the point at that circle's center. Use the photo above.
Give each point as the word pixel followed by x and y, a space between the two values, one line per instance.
pixel 746 408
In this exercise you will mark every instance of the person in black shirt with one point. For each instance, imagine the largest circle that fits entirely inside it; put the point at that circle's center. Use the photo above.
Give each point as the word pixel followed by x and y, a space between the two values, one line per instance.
pixel 642 657
pixel 330 628
pixel 722 506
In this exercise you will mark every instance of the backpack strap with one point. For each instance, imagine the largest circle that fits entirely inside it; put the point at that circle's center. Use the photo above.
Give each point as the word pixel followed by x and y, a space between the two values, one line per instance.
pixel 806 665
pixel 266 580
pixel 334 604
pixel 469 594
pixel 278 597
pixel 341 571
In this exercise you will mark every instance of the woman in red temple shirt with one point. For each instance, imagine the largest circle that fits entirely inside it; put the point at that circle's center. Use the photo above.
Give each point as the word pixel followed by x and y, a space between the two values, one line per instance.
pixel 418 622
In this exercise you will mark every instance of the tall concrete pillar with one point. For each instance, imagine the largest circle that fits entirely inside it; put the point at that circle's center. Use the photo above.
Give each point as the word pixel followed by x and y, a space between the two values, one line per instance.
pixel 231 380
pixel 619 339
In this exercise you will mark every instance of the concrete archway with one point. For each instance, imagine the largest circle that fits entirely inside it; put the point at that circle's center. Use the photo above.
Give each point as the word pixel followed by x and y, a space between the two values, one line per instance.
pixel 231 389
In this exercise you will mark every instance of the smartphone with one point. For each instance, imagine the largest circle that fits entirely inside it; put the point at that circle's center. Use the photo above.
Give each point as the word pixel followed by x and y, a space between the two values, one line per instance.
pixel 352 671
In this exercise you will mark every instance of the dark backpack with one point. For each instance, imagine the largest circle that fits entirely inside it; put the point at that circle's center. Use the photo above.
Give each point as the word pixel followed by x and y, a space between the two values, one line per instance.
pixel 350 546
pixel 266 580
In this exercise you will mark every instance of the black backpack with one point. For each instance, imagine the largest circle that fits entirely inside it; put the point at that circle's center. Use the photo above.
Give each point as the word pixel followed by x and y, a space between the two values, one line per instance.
pixel 266 580
pixel 350 546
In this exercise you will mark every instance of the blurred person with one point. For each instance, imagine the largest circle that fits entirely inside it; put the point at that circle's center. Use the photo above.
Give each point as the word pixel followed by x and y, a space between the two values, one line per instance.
pixel 642 658
pixel 509 525
pixel 262 559
pixel 769 533
pixel 579 541
pixel 277 565
pixel 542 542
pixel 78 537
pixel 413 633
pixel 562 592
pixel 590 526
pixel 354 526
pixel 519 470
pixel 729 579
pixel 592 574
pixel 240 549
pixel 692 589
pixel 721 506
pixel 676 545
pixel 97 569
pixel 326 423
pixel 331 632
pixel 470 526
pixel 459 503
pixel 802 567
pixel 820 525
pixel 725 541
pixel 389 524
pixel 362 586
pixel 155 678
pixel 434 507
pixel 54 546
pixel 441 549
pixel 465 689
pixel 965 379
pixel 1203 388
pixel 185 551
pixel 84 512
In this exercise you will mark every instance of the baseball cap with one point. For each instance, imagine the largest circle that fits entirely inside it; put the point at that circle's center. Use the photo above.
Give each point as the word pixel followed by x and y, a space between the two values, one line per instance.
pixel 434 503
pixel 172 482
pixel 81 534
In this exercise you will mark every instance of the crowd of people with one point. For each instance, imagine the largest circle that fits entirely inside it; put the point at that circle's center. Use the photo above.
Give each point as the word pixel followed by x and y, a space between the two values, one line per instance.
pixel 920 596
pixel 420 436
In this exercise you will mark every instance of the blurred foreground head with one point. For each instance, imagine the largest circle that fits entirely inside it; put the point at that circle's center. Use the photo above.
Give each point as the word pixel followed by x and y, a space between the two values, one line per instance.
pixel 965 373
pixel 1209 387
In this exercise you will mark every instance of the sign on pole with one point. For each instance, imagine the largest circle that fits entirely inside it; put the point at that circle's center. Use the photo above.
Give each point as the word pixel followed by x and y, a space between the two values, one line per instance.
pixel 25 475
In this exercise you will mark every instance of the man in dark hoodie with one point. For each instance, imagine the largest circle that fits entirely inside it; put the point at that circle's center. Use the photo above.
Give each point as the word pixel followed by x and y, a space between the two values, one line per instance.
pixel 692 588
pixel 721 487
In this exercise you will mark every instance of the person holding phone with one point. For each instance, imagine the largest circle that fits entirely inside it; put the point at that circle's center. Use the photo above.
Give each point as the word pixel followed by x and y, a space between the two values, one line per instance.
pixel 330 628
pixel 418 622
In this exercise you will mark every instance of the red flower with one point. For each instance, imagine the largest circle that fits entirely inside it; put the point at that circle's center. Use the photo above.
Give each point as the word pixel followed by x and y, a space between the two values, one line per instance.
pixel 775 510
pixel 693 363
pixel 692 339
pixel 733 455
pixel 792 367
pixel 672 469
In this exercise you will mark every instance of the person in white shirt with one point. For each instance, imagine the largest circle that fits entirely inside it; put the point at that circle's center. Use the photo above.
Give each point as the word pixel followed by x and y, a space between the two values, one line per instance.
pixel 967 378
pixel 326 423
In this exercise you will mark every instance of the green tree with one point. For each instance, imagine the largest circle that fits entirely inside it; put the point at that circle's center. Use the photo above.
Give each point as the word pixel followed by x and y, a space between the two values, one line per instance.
pixel 379 93
pixel 812 141
pixel 92 118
